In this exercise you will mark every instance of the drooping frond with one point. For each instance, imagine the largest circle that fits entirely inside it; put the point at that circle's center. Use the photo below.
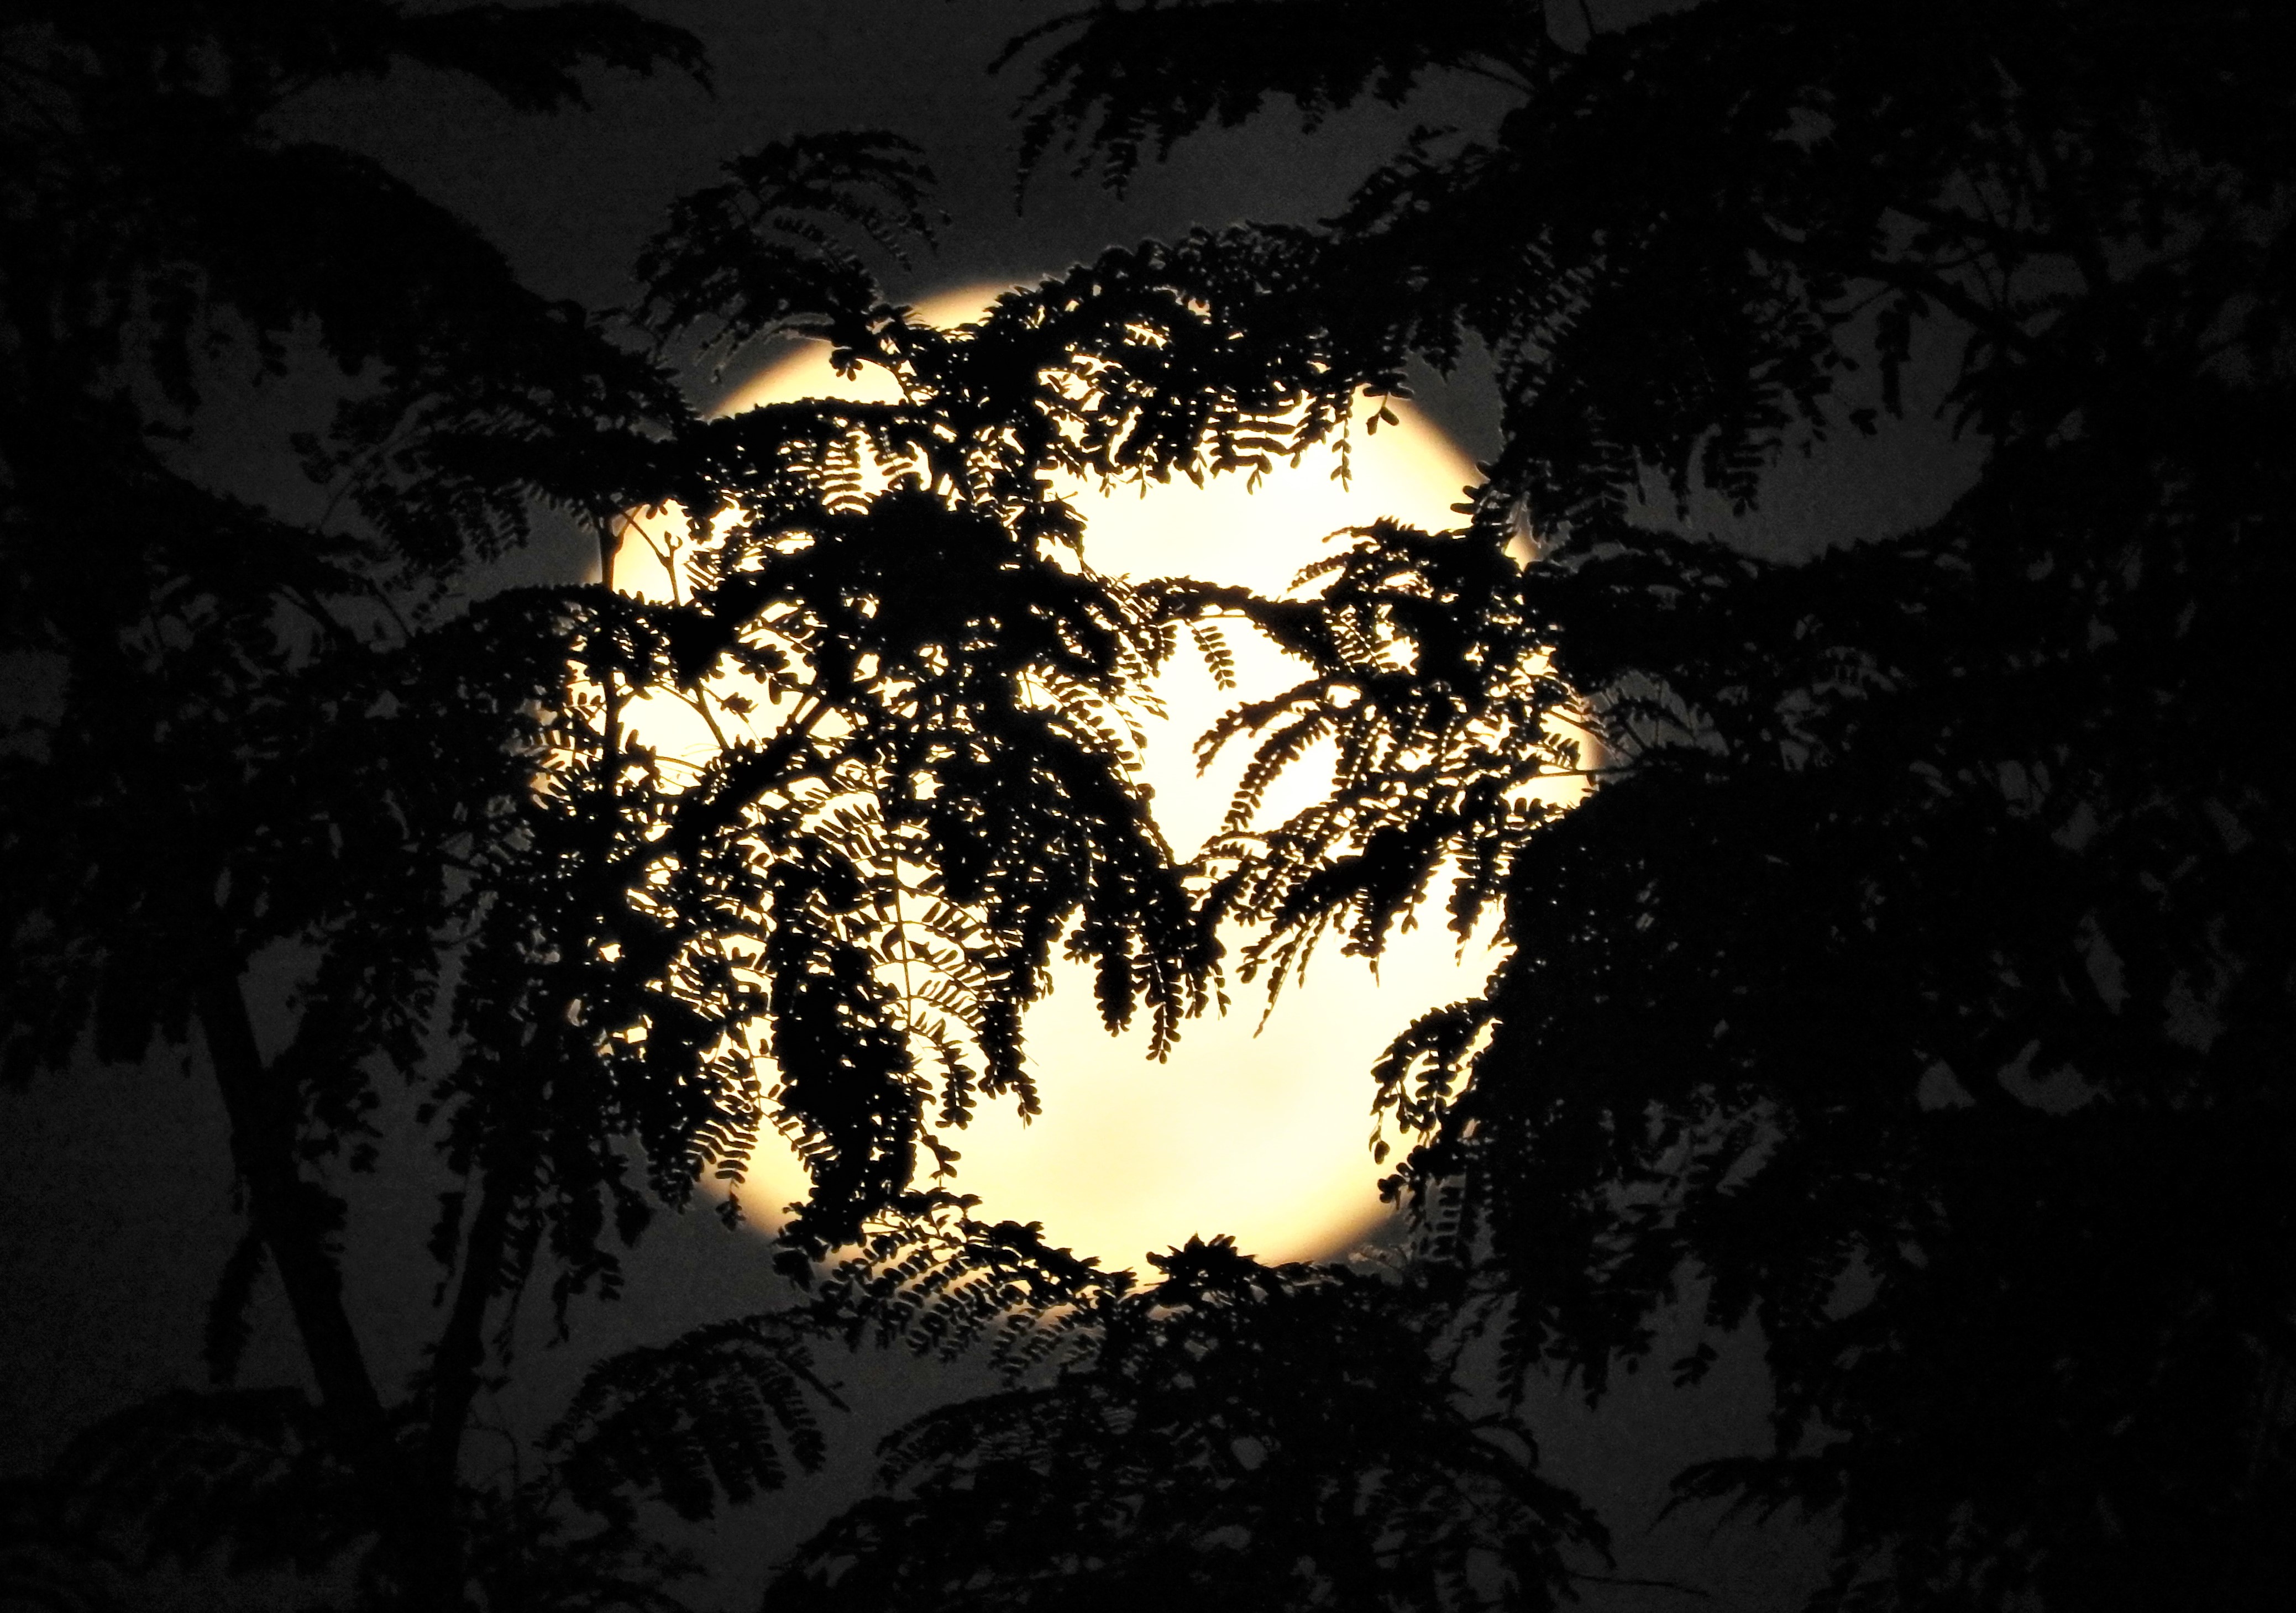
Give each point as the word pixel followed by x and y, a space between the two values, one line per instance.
pixel 758 252
pixel 933 1281
pixel 719 1416
pixel 1124 82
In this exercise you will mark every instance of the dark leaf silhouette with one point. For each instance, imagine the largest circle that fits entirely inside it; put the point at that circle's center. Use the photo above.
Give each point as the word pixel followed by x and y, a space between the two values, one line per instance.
pixel 1277 1434
pixel 1913 989
pixel 1905 989
pixel 726 1410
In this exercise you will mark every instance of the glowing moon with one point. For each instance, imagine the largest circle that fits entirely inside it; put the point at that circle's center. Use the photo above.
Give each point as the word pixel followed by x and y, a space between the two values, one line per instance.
pixel 1261 1135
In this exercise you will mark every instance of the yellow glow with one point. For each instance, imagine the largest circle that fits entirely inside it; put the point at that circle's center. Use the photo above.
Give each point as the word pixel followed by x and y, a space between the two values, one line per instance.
pixel 1262 1135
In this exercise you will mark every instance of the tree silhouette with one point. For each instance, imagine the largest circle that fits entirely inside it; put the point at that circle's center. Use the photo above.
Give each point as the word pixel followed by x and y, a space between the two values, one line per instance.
pixel 262 742
pixel 1283 1436
pixel 1911 988
pixel 266 739
pixel 212 768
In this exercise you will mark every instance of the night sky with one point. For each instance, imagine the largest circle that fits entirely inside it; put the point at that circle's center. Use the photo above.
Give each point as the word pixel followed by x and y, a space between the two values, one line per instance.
pixel 115 1192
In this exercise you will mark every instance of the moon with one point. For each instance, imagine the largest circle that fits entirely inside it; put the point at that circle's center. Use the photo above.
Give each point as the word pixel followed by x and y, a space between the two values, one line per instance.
pixel 1258 1124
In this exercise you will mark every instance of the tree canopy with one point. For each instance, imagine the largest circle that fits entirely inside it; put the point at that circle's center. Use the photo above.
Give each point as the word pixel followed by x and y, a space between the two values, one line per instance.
pixel 1911 990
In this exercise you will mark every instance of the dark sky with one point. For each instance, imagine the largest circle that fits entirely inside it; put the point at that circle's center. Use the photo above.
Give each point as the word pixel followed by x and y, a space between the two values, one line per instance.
pixel 114 1188
pixel 571 197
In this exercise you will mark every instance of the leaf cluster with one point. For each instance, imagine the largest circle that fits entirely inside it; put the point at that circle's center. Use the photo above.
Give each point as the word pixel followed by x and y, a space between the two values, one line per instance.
pixel 285 796
pixel 1280 1435
pixel 1905 990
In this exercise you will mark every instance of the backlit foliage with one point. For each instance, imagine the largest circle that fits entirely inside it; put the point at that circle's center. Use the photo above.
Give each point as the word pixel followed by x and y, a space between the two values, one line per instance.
pixel 1916 988
pixel 1908 987
pixel 285 799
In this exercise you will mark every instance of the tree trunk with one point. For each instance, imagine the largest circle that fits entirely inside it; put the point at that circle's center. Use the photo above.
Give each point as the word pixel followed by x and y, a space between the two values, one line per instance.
pixel 291 1217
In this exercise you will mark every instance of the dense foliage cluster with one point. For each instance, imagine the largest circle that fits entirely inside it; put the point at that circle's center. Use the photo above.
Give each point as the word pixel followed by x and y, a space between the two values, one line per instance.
pixel 280 791
pixel 1231 1431
pixel 1913 990
pixel 1911 987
